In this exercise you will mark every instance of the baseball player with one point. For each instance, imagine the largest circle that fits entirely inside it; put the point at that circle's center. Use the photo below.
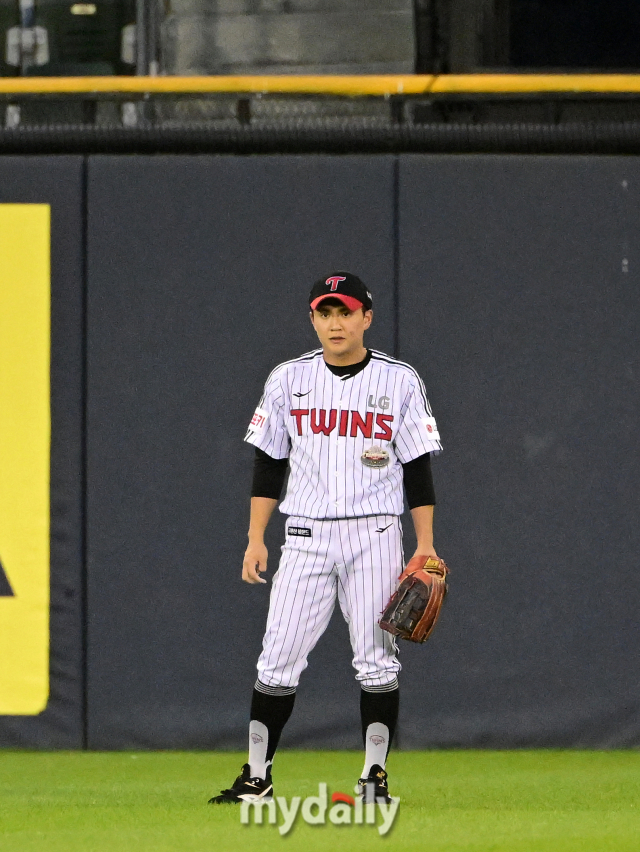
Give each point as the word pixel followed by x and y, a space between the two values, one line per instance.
pixel 353 426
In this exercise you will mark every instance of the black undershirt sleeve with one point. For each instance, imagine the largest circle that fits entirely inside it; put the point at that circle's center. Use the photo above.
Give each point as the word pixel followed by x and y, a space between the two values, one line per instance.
pixel 268 475
pixel 418 482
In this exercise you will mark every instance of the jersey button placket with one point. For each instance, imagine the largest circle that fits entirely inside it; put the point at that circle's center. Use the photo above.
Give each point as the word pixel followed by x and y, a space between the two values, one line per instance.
pixel 328 442
pixel 338 450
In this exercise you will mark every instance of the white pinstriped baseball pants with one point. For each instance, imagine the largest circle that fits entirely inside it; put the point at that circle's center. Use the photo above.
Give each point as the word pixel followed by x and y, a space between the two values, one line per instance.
pixel 357 561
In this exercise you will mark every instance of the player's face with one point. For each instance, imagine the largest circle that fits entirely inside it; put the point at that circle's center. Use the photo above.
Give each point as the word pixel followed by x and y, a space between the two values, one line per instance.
pixel 341 332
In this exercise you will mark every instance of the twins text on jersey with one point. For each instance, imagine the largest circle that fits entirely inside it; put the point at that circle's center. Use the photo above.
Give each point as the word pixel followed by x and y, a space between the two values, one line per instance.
pixel 346 437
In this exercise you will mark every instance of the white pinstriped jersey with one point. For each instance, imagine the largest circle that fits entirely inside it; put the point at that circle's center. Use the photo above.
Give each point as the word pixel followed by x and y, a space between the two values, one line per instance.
pixel 323 424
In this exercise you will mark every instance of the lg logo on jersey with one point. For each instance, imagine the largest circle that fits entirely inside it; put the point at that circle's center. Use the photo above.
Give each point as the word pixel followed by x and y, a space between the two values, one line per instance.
pixel 347 422
pixel 384 402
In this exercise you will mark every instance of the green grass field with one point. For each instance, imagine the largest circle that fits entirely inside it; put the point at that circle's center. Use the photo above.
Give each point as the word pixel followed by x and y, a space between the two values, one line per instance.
pixel 481 801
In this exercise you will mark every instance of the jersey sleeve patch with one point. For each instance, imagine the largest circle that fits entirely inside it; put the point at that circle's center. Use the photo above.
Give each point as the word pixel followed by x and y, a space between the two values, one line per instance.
pixel 431 427
pixel 259 420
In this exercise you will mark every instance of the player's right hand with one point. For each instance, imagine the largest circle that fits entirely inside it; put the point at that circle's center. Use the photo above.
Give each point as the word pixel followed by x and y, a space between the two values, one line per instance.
pixel 255 563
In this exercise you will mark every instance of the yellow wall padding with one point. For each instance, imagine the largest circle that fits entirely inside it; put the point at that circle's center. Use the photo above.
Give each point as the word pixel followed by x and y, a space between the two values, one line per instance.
pixel 25 433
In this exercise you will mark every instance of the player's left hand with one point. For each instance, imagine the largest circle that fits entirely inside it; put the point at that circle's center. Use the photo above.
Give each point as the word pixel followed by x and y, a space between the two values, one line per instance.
pixel 418 559
pixel 426 551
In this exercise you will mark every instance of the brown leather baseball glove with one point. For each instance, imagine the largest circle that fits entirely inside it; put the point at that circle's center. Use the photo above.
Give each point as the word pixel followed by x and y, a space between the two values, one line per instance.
pixel 414 608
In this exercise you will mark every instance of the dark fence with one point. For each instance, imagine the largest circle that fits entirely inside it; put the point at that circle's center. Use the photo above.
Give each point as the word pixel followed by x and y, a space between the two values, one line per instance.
pixel 436 127
pixel 511 283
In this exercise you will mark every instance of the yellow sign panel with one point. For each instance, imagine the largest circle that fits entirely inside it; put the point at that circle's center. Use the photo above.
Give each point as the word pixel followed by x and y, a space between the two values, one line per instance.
pixel 25 430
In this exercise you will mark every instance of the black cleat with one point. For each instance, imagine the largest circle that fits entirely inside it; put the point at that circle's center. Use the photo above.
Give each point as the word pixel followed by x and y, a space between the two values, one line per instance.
pixel 374 788
pixel 246 789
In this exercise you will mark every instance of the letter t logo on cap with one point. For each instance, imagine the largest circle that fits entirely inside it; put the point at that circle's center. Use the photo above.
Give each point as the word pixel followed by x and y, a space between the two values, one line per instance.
pixel 334 281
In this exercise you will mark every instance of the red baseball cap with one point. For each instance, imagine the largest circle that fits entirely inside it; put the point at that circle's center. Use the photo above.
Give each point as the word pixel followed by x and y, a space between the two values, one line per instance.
pixel 345 287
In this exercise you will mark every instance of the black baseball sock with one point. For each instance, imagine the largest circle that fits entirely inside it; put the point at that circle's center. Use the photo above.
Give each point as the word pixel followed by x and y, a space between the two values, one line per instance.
pixel 379 715
pixel 269 714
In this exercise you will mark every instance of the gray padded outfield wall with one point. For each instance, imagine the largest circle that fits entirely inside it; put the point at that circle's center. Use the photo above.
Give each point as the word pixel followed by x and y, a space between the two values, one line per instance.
pixel 516 277
pixel 520 304
pixel 199 272
pixel 58 181
pixel 511 283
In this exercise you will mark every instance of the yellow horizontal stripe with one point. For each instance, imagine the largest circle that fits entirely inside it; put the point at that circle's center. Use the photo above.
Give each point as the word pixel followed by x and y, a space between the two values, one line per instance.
pixel 532 83
pixel 361 85
pixel 324 85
